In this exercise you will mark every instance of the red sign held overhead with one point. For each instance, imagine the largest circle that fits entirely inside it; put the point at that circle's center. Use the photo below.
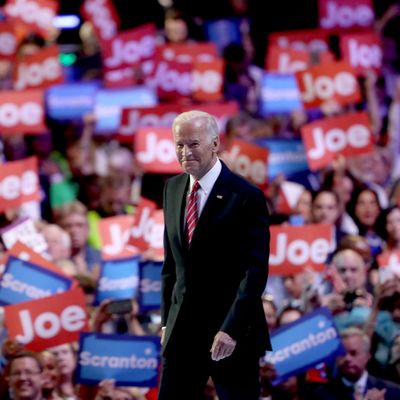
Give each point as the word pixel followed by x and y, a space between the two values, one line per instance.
pixel 48 322
pixel 295 247
pixel 322 83
pixel 103 16
pixel 188 53
pixel 19 183
pixel 345 14
pixel 35 15
pixel 312 40
pixel 22 112
pixel 248 160
pixel 155 151
pixel 208 79
pixel 325 139
pixel 39 70
pixel 362 50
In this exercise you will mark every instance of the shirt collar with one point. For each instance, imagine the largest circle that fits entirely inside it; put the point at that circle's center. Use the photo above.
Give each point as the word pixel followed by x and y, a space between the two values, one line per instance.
pixel 362 381
pixel 208 180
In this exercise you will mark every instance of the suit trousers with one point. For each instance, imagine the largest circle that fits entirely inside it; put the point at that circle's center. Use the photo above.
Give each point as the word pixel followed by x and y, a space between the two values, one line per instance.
pixel 184 376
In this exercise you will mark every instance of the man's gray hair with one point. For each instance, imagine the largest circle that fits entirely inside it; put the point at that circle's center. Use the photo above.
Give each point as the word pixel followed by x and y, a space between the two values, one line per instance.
pixel 354 331
pixel 207 119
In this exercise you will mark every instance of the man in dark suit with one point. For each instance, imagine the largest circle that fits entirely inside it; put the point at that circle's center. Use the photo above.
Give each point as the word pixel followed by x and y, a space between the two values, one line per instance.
pixel 214 273
pixel 353 382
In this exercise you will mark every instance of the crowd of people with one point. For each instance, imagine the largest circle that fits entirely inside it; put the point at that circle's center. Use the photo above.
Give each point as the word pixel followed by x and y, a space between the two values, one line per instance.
pixel 85 178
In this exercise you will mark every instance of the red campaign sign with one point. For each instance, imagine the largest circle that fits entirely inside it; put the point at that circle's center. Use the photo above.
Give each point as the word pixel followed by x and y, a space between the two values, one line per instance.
pixel 160 116
pixel 248 160
pixel 286 61
pixel 103 16
pixel 315 40
pixel 295 247
pixel 322 83
pixel 39 70
pixel 8 42
pixel 147 232
pixel 288 197
pixel 362 50
pixel 208 79
pixel 173 80
pixel 124 52
pixel 188 53
pixel 35 15
pixel 51 321
pixel 325 139
pixel 155 151
pixel 221 111
pixel 114 236
pixel 129 48
pixel 336 15
pixel 22 112
pixel 389 259
pixel 19 183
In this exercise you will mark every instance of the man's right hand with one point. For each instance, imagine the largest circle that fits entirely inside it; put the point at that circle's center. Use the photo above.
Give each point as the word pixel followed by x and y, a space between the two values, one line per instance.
pixel 163 329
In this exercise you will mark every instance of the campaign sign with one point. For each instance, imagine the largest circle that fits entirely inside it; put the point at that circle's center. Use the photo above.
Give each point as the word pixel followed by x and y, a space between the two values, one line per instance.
pixel 326 139
pixel 303 344
pixel 329 82
pixel 312 40
pixel 248 160
pixel 110 102
pixel 346 14
pixel 155 151
pixel 8 41
pixel 188 52
pixel 286 61
pixel 285 156
pixel 208 80
pixel 48 322
pixel 24 281
pixel 130 360
pixel 119 279
pixel 71 101
pixel 279 94
pixel 296 247
pixel 150 285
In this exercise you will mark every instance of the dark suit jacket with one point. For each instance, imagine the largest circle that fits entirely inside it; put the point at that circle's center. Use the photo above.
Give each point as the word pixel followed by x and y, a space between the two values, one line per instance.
pixel 217 283
pixel 336 390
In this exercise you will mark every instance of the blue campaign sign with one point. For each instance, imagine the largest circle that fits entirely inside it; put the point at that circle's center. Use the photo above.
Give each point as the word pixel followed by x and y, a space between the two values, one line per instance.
pixel 150 285
pixel 285 156
pixel 119 279
pixel 279 94
pixel 110 102
pixel 223 32
pixel 130 360
pixel 304 343
pixel 24 281
pixel 71 101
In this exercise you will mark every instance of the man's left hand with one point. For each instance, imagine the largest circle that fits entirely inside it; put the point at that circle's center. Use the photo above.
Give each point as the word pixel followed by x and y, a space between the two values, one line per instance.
pixel 222 346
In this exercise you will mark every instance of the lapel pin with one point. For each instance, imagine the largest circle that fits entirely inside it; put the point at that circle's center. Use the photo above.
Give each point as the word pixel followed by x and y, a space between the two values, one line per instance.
pixel 219 196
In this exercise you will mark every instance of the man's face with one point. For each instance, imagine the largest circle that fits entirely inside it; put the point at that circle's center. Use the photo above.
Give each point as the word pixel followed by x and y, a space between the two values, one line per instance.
pixel 353 363
pixel 25 379
pixel 325 209
pixel 195 150
pixel 77 227
pixel 352 270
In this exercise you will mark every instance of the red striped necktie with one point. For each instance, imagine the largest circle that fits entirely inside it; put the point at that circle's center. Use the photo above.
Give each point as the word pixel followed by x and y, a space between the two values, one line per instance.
pixel 192 211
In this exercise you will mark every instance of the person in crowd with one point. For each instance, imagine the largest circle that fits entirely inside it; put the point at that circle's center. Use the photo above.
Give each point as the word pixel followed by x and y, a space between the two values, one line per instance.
pixel 51 376
pixel 304 206
pixel 270 311
pixel 66 362
pixel 25 377
pixel 225 216
pixel 353 380
pixel 364 207
pixel 72 217
pixel 388 227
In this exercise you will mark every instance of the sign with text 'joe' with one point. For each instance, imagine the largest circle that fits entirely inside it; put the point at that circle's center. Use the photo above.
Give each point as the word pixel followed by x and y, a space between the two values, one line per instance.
pixel 119 279
pixel 130 360
pixel 24 281
pixel 303 344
